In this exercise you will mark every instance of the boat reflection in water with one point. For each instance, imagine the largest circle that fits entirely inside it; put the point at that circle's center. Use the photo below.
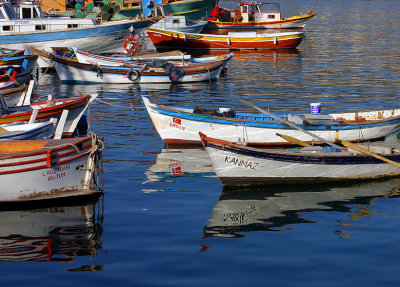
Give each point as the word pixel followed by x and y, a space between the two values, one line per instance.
pixel 180 162
pixel 238 212
pixel 57 233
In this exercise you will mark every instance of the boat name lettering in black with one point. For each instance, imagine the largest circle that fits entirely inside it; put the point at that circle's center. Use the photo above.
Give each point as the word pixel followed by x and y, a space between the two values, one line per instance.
pixel 239 162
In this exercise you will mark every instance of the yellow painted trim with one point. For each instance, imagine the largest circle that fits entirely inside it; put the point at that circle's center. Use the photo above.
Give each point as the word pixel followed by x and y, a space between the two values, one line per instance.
pixel 191 11
pixel 197 37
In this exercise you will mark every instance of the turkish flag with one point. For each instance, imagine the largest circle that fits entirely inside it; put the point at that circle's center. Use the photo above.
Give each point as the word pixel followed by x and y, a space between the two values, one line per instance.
pixel 176 121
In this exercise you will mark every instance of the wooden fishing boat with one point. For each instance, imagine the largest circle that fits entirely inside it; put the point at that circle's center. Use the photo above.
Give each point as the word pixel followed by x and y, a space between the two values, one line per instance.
pixel 237 165
pixel 70 71
pixel 26 131
pixel 88 58
pixel 112 58
pixel 182 125
pixel 8 81
pixel 20 73
pixel 13 95
pixel 52 108
pixel 19 60
pixel 4 52
pixel 168 39
pixel 18 76
pixel 254 15
pixel 47 169
pixel 23 24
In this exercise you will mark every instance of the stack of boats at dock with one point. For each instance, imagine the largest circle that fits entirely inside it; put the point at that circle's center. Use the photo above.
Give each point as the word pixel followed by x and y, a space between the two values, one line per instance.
pixel 42 157
pixel 322 148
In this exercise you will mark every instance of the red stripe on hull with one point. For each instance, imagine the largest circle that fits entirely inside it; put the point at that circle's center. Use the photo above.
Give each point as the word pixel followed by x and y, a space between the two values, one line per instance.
pixel 167 41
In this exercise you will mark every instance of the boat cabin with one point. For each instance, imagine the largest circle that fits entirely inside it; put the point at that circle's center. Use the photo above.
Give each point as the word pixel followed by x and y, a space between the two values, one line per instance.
pixel 248 11
pixel 171 22
pixel 252 11
pixel 27 16
pixel 20 10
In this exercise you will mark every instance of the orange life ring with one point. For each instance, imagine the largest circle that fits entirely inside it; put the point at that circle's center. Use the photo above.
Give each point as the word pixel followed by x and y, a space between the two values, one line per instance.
pixel 128 47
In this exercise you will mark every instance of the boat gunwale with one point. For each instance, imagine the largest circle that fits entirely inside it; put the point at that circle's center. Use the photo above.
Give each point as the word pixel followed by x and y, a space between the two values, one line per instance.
pixel 225 120
pixel 330 158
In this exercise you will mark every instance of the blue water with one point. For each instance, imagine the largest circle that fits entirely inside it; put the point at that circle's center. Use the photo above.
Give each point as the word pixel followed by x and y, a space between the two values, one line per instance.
pixel 165 220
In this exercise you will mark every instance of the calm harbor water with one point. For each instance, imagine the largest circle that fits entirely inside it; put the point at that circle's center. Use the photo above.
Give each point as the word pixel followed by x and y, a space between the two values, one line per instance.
pixel 165 220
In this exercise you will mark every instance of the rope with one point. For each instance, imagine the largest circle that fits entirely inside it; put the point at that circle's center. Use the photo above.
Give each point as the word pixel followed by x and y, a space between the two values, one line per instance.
pixel 66 144
pixel 113 104
pixel 96 155
pixel 97 99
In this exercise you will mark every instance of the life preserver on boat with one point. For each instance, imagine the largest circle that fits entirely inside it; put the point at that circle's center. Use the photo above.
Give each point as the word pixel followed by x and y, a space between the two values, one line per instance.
pixel 133 75
pixel 128 47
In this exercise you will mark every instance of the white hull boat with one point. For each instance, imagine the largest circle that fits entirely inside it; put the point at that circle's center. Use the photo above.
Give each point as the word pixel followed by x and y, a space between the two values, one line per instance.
pixel 23 25
pixel 47 169
pixel 240 166
pixel 74 72
pixel 182 125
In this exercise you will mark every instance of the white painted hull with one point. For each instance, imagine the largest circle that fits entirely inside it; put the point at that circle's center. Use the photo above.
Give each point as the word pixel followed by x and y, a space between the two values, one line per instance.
pixel 27 131
pixel 176 129
pixel 107 37
pixel 67 177
pixel 74 114
pixel 70 74
pixel 88 58
pixel 237 166
pixel 55 171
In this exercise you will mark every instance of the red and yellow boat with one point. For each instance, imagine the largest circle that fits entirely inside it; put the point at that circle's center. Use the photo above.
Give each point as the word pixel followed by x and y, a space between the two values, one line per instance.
pixel 168 39
pixel 253 15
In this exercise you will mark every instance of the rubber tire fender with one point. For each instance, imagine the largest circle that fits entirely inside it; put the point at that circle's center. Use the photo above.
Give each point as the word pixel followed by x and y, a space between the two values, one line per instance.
pixel 133 75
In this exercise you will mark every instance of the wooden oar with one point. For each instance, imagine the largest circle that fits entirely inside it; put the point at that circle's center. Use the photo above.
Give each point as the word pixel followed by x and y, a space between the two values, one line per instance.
pixel 344 143
pixel 367 152
pixel 290 124
pixel 293 140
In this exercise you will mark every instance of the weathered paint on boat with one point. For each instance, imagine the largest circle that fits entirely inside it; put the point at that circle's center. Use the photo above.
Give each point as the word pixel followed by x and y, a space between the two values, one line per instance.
pixel 51 109
pixel 237 165
pixel 47 168
pixel 182 126
pixel 168 39
pixel 74 72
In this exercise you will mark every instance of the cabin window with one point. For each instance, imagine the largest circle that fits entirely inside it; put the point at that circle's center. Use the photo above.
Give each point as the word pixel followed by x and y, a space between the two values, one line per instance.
pixel 9 12
pixel 70 26
pixel 35 14
pixel 271 16
pixel 26 13
pixel 7 28
pixel 40 27
pixel 175 21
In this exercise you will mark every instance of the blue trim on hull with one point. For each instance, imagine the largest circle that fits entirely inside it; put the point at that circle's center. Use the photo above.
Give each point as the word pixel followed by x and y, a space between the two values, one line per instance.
pixel 337 159
pixel 70 34
pixel 271 125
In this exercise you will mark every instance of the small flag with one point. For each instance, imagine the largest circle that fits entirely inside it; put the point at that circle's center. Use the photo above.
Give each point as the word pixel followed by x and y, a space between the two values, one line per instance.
pixel 177 121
